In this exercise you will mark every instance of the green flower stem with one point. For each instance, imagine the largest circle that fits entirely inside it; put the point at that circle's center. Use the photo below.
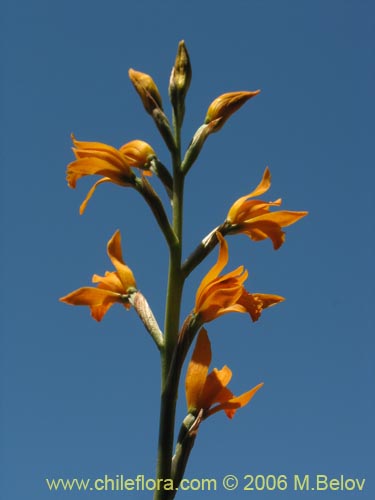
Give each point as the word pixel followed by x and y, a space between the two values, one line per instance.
pixel 172 321
pixel 163 173
pixel 185 442
pixel 157 208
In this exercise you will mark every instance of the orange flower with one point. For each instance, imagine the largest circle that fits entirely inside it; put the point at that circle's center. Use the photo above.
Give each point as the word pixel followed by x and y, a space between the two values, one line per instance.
pixel 96 158
pixel 253 217
pixel 218 295
pixel 113 287
pixel 209 392
pixel 225 105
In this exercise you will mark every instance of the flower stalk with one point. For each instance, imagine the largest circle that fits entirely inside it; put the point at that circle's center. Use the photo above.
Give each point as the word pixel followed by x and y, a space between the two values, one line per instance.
pixel 219 292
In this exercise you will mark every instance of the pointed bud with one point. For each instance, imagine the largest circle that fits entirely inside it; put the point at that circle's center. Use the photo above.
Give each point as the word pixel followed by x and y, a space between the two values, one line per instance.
pixel 147 90
pixel 225 105
pixel 180 77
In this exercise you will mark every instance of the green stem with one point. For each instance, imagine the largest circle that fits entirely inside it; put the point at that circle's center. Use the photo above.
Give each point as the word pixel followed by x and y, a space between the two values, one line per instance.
pixel 172 321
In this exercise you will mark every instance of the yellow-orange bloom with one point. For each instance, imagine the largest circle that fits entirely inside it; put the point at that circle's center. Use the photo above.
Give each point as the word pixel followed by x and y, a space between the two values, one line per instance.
pixel 253 217
pixel 218 295
pixel 114 287
pixel 225 105
pixel 209 392
pixel 96 158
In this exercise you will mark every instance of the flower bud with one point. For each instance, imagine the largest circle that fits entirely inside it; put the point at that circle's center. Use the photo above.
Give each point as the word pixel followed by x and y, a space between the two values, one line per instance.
pixel 147 90
pixel 225 105
pixel 181 76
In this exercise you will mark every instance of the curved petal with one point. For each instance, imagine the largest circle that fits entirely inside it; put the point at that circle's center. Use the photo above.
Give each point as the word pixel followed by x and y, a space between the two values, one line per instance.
pixel 95 146
pixel 268 300
pixel 110 281
pixel 216 269
pixel 254 208
pixel 215 384
pixel 89 296
pixel 283 217
pixel 115 254
pixel 83 205
pixel 97 166
pixel 262 187
pixel 263 229
pixel 231 406
pixel 197 370
pixel 117 160
pixel 98 312
pixel 254 303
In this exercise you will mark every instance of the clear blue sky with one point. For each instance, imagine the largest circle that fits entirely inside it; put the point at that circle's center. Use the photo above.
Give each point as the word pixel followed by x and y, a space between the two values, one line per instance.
pixel 80 399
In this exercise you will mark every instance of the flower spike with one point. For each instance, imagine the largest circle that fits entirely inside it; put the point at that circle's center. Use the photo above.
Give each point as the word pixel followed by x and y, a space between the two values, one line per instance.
pixel 114 287
pixel 253 217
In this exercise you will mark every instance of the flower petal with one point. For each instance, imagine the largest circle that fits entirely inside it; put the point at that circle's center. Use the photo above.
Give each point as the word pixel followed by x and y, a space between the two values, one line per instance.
pixel 89 296
pixel 197 370
pixel 262 187
pixel 231 406
pixel 115 254
pixel 83 205
pixel 283 217
pixel 215 383
pixel 217 268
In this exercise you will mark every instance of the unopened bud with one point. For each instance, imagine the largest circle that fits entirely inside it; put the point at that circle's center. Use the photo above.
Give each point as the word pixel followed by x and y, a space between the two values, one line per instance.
pixel 181 76
pixel 225 105
pixel 147 90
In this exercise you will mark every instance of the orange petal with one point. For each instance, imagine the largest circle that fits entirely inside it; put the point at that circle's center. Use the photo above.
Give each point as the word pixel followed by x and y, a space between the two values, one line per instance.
pixel 231 406
pixel 115 254
pixel 97 312
pixel 215 383
pixel 283 218
pixel 253 208
pixel 83 206
pixel 217 268
pixel 254 303
pixel 262 187
pixel 98 166
pixel 110 281
pixel 268 300
pixel 263 229
pixel 197 370
pixel 95 146
pixel 89 296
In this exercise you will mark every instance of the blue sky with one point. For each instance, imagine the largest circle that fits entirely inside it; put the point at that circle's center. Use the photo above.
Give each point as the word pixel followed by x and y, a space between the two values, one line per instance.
pixel 80 399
